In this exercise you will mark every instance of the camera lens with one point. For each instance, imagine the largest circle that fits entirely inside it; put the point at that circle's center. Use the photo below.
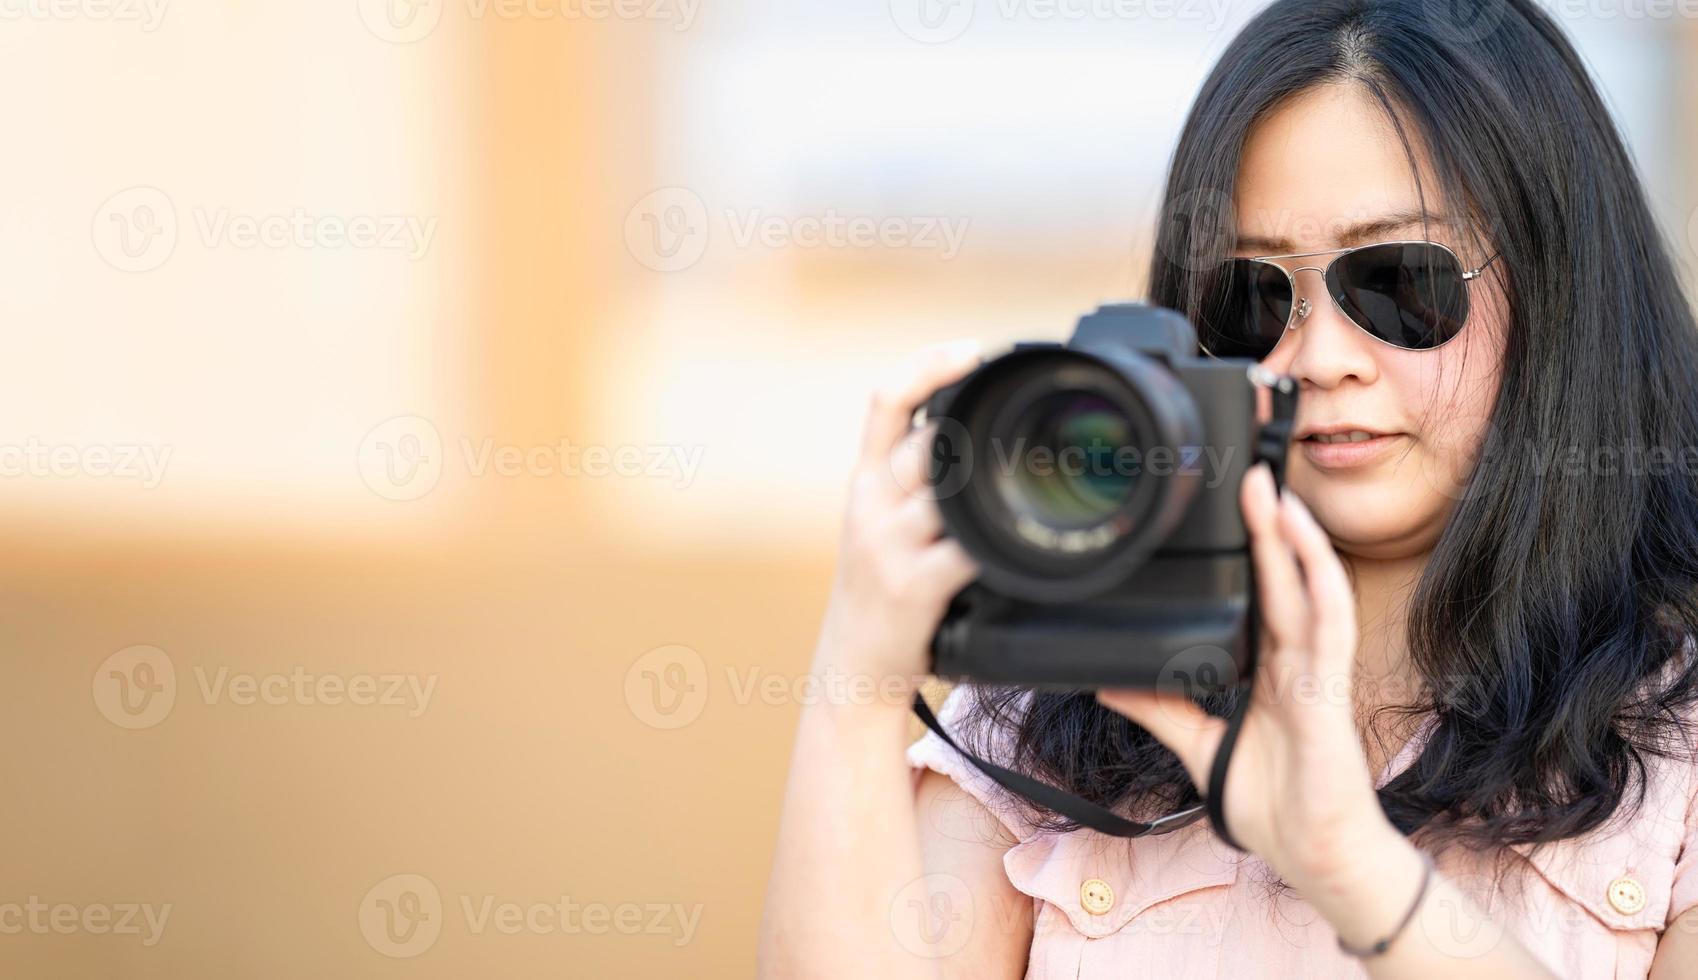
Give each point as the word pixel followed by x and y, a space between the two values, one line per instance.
pixel 1076 465
pixel 1053 467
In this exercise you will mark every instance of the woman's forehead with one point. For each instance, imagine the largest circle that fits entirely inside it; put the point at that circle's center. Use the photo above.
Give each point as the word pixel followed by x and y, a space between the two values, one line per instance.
pixel 1327 169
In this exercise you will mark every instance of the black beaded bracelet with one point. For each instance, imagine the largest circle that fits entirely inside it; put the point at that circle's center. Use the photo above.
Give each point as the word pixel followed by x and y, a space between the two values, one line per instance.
pixel 1408 917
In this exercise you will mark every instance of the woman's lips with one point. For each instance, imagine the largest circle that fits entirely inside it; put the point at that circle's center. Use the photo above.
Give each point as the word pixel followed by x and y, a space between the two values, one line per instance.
pixel 1346 455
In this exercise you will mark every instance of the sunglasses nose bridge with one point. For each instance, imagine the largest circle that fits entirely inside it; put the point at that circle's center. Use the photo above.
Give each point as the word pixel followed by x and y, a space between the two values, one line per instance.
pixel 1302 307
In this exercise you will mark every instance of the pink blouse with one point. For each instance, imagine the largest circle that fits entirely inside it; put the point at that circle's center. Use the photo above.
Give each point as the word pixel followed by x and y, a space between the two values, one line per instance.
pixel 1184 905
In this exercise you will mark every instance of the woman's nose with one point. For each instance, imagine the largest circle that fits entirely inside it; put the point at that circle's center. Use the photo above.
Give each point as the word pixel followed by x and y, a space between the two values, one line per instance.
pixel 1322 347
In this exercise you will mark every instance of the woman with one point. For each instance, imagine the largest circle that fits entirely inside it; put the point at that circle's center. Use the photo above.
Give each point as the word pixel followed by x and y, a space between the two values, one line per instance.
pixel 1475 617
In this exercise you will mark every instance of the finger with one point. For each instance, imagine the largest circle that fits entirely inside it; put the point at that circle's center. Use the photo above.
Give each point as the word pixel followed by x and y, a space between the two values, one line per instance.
pixel 1284 604
pixel 947 567
pixel 1176 721
pixel 910 461
pixel 1331 596
pixel 918 521
pixel 895 401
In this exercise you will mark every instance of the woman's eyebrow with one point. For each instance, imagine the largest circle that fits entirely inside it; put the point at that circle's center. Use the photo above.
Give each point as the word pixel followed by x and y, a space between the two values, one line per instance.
pixel 1367 231
pixel 1353 234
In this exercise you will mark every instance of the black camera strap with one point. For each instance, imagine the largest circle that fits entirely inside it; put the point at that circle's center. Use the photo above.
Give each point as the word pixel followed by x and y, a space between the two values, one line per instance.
pixel 1076 808
pixel 1273 442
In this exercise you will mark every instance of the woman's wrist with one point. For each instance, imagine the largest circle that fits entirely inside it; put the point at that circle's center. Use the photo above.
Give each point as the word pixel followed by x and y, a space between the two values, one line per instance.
pixel 854 668
pixel 839 686
pixel 1367 888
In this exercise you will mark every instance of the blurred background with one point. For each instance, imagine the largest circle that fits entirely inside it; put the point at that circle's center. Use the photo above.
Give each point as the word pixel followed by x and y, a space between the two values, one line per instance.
pixel 423 425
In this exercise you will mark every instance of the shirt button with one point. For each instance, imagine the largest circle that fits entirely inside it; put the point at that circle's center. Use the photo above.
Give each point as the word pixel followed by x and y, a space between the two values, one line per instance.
pixel 1096 896
pixel 1627 896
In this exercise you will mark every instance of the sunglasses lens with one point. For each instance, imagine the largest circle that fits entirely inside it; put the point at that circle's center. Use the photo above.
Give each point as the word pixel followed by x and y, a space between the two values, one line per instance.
pixel 1252 305
pixel 1410 295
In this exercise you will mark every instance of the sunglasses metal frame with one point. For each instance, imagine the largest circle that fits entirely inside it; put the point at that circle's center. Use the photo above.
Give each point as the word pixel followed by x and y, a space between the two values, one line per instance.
pixel 1468 276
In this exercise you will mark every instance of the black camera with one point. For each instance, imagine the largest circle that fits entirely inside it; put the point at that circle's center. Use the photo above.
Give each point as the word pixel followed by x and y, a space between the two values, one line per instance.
pixel 1096 483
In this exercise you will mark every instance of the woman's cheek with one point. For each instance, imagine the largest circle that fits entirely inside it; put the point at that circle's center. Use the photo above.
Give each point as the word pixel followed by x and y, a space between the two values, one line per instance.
pixel 1446 459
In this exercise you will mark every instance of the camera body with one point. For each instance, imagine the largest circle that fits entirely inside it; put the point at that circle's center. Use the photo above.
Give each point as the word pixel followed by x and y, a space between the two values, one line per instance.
pixel 1096 483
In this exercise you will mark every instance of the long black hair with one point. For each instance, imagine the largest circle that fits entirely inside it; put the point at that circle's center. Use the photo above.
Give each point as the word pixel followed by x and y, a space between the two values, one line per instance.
pixel 1549 620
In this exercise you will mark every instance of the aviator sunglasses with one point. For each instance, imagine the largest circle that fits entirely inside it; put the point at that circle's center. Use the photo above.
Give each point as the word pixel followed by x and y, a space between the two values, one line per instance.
pixel 1412 295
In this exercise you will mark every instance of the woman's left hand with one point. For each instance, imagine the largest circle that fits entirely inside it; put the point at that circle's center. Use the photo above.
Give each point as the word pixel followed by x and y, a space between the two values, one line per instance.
pixel 1299 793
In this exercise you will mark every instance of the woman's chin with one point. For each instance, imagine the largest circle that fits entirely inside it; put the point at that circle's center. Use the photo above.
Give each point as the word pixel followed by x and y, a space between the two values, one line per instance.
pixel 1386 518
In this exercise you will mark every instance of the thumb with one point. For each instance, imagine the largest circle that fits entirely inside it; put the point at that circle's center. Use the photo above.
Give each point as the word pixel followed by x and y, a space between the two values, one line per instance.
pixel 1176 721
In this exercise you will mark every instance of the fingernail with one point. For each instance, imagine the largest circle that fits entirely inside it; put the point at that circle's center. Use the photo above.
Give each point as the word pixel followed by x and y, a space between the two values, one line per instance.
pixel 1295 504
pixel 962 350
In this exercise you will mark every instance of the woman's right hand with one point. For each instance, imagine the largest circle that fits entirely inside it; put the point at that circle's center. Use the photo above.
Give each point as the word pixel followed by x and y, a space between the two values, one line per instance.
pixel 854 839
pixel 895 575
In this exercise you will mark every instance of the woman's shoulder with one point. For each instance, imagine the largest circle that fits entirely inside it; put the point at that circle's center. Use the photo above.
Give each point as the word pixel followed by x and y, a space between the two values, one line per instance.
pixel 982 723
pixel 1638 871
pixel 1086 884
